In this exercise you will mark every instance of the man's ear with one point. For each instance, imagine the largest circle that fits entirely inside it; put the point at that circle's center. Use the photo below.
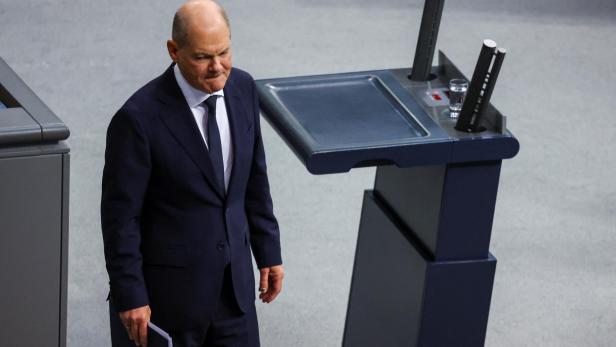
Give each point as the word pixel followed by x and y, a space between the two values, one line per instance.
pixel 172 48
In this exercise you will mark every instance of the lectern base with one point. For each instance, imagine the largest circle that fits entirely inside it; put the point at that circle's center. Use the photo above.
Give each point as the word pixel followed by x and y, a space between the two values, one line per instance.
pixel 400 297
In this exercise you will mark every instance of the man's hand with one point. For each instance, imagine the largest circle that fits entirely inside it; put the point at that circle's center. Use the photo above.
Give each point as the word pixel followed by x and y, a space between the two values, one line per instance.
pixel 136 323
pixel 270 284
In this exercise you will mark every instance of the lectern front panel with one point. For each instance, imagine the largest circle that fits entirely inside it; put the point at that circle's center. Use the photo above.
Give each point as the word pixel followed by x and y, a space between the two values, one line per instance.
pixel 30 240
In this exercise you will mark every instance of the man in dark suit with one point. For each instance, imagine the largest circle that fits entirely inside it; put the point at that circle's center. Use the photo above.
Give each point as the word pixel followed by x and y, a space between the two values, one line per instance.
pixel 185 197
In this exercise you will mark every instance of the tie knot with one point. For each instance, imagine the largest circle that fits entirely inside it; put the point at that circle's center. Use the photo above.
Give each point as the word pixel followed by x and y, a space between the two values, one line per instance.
pixel 210 102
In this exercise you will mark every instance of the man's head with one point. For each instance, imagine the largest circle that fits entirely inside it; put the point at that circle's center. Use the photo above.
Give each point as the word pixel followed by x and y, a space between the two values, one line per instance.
pixel 201 44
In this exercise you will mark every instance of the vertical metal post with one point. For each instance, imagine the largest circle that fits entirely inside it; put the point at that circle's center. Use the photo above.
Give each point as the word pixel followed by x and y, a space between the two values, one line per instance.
pixel 481 87
pixel 426 42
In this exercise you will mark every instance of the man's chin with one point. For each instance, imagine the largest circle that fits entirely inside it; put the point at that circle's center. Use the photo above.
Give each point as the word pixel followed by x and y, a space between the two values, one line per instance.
pixel 214 85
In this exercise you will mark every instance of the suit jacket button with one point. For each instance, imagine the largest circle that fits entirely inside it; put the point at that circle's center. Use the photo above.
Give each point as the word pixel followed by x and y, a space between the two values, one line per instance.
pixel 220 246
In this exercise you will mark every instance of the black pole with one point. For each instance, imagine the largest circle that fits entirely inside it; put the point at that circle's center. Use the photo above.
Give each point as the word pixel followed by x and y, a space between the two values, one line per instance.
pixel 496 66
pixel 474 96
pixel 426 42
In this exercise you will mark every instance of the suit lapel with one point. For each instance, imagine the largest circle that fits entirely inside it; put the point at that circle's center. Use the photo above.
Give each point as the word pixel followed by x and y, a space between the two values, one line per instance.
pixel 238 125
pixel 180 121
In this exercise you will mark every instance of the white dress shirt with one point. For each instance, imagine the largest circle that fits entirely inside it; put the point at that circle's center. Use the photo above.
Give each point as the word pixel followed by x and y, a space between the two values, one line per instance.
pixel 195 98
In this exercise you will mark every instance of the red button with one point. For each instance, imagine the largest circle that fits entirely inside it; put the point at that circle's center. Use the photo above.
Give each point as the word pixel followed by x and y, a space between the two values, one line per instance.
pixel 436 97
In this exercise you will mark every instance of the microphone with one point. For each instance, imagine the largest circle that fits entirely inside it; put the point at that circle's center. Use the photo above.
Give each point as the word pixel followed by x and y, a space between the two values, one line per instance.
pixel 481 87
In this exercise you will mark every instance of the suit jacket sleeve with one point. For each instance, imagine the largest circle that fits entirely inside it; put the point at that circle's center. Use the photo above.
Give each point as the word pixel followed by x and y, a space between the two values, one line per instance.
pixel 125 179
pixel 264 231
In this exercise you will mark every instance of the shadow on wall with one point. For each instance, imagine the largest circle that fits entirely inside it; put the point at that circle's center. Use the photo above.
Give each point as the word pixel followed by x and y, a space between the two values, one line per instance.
pixel 604 9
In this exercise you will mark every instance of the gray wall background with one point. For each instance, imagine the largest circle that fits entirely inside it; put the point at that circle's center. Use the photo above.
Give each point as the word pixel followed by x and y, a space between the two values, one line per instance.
pixel 555 226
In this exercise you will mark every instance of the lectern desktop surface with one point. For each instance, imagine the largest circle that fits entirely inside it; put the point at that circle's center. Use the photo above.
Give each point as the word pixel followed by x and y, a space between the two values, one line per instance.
pixel 337 122
pixel 348 110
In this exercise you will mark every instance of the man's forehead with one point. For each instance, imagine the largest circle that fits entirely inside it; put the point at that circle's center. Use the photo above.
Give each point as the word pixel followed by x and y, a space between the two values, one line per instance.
pixel 210 46
pixel 210 50
pixel 204 29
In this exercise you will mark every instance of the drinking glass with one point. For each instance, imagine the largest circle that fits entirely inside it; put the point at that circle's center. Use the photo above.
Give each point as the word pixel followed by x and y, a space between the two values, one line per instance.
pixel 457 92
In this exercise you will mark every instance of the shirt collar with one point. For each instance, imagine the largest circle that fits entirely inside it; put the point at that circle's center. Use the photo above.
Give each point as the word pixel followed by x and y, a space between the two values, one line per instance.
pixel 194 97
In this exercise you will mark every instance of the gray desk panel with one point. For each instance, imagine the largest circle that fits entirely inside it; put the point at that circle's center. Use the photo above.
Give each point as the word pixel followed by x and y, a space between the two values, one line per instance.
pixel 30 243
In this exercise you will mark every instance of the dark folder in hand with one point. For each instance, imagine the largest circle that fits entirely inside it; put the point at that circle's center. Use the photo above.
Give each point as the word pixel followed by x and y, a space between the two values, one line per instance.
pixel 157 337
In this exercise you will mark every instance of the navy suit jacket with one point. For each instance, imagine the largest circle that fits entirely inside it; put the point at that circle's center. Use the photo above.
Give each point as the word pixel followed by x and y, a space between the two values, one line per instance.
pixel 169 230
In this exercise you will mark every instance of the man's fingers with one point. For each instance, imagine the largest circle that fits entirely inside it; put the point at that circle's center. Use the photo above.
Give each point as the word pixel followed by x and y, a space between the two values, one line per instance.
pixel 134 332
pixel 136 323
pixel 269 296
pixel 264 281
pixel 264 284
pixel 276 282
pixel 126 325
pixel 274 287
pixel 271 283
pixel 143 333
pixel 274 290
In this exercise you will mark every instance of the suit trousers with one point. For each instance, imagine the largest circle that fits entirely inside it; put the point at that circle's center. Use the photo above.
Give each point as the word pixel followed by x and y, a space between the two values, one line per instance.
pixel 230 328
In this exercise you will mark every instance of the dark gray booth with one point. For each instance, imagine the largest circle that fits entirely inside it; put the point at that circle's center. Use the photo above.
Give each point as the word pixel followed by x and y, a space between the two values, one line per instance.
pixel 423 273
pixel 34 187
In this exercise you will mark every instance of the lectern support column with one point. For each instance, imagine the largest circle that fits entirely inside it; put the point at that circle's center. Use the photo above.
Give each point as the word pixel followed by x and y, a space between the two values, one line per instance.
pixel 423 273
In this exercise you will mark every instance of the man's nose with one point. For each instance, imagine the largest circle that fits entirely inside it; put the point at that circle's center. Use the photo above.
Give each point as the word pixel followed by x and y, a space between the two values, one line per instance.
pixel 216 65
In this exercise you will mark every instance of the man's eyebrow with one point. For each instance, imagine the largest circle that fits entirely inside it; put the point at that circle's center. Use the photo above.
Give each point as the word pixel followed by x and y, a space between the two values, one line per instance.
pixel 209 55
